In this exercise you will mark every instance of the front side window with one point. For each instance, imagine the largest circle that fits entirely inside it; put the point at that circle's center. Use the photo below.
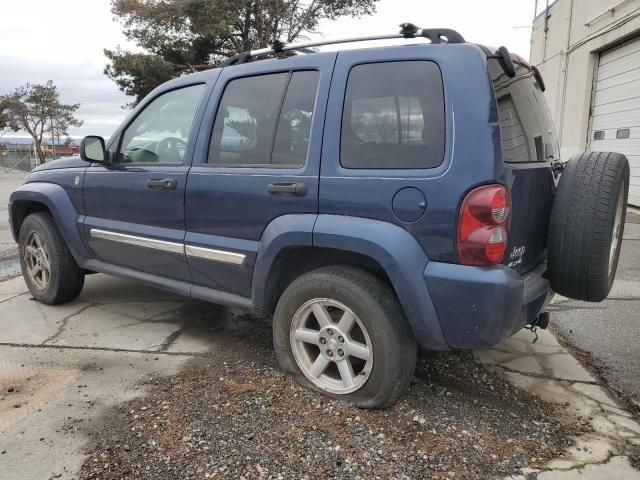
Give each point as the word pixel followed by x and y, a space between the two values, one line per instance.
pixel 393 116
pixel 159 134
pixel 264 120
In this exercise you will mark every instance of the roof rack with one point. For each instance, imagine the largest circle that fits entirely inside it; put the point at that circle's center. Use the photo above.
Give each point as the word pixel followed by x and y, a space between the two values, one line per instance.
pixel 407 30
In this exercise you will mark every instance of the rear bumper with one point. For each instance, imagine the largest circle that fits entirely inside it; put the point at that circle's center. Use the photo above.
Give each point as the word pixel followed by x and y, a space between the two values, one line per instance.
pixel 477 307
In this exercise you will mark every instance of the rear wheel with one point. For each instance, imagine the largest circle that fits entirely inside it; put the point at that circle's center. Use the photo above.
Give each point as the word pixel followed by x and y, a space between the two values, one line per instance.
pixel 48 268
pixel 587 223
pixel 341 331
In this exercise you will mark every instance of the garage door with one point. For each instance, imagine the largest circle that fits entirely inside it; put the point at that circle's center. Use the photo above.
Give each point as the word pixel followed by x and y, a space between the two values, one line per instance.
pixel 615 121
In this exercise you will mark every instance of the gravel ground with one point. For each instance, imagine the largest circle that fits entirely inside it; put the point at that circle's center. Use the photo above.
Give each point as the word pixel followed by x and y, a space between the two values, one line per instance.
pixel 233 414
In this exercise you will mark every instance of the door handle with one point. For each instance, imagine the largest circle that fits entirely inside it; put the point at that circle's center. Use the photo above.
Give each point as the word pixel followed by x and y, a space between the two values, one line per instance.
pixel 288 189
pixel 166 183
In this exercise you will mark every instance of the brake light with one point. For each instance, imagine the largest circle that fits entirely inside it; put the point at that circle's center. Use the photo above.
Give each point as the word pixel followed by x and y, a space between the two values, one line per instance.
pixel 482 226
pixel 522 61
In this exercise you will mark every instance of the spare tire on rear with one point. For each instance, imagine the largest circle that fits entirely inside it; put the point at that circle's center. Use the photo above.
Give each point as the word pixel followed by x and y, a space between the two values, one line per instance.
pixel 587 223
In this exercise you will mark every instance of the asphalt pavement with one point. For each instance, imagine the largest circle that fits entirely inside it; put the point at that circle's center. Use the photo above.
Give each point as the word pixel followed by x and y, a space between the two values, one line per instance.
pixel 608 333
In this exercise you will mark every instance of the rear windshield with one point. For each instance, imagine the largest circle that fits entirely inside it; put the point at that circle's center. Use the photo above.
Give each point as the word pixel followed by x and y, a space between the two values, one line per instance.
pixel 526 129
pixel 393 116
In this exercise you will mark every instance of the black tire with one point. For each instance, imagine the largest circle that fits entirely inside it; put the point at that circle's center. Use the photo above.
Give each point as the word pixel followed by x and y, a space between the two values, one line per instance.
pixel 66 279
pixel 581 233
pixel 393 346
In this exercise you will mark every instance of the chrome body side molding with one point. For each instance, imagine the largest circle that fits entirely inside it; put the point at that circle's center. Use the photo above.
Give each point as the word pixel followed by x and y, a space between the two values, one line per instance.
pixel 215 255
pixel 189 250
pixel 137 241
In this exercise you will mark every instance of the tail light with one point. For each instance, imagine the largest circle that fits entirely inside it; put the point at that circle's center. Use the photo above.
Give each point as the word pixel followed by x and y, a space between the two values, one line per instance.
pixel 482 226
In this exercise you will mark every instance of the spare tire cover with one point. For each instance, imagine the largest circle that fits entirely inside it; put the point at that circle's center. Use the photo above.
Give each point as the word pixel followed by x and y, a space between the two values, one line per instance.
pixel 587 223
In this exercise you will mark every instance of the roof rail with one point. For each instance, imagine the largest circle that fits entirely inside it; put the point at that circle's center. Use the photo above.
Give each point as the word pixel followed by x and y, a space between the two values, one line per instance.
pixel 407 30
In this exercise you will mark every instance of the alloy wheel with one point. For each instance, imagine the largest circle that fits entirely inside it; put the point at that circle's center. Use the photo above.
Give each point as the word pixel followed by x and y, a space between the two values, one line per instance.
pixel 331 346
pixel 36 257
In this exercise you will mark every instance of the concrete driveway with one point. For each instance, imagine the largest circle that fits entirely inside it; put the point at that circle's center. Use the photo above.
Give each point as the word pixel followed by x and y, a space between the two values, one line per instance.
pixel 62 367
pixel 8 249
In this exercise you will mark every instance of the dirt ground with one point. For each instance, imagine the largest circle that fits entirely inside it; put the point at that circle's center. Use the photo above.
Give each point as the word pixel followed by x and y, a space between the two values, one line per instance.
pixel 235 415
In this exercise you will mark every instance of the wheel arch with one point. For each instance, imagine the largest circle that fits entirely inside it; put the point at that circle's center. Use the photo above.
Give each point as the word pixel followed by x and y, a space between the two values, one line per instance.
pixel 20 209
pixel 53 199
pixel 293 261
pixel 293 246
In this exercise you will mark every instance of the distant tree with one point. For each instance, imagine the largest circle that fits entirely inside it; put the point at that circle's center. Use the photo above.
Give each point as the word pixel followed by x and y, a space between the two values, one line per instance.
pixel 4 119
pixel 32 108
pixel 189 35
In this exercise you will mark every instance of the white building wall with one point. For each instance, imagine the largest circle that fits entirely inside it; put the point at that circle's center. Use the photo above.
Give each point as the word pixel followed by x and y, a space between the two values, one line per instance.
pixel 565 45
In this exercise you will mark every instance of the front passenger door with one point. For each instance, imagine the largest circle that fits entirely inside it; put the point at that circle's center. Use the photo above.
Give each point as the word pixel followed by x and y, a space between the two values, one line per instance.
pixel 135 205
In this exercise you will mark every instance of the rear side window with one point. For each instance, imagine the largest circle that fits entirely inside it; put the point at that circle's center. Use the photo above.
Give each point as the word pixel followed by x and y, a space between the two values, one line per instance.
pixel 264 120
pixel 393 116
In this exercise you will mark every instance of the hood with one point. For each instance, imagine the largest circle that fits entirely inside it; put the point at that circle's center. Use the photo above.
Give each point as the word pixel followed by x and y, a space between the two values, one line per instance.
pixel 67 162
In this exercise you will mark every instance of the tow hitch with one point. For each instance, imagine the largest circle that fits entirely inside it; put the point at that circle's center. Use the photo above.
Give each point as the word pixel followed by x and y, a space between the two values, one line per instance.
pixel 541 321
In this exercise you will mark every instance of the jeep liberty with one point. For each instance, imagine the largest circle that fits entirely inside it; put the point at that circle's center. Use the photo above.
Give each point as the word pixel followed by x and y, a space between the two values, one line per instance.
pixel 374 201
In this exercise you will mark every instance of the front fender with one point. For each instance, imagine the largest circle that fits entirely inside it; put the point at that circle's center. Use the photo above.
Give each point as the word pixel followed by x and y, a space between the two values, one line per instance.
pixel 402 258
pixel 55 198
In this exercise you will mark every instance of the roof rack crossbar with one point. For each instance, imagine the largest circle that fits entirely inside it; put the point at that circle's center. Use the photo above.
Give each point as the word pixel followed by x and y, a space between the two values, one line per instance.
pixel 408 30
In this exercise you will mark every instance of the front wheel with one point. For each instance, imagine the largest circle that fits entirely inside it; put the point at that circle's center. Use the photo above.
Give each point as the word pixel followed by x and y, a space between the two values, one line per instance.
pixel 341 331
pixel 48 268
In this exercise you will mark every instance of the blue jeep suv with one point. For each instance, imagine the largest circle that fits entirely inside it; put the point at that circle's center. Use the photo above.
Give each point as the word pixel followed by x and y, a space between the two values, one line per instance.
pixel 374 201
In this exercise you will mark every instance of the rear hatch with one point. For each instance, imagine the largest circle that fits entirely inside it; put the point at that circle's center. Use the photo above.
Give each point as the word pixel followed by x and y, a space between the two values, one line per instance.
pixel 529 146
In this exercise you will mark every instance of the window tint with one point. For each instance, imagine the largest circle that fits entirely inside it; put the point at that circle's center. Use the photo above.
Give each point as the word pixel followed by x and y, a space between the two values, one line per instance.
pixel 538 142
pixel 245 132
pixel 526 127
pixel 294 124
pixel 393 116
pixel 515 147
pixel 159 134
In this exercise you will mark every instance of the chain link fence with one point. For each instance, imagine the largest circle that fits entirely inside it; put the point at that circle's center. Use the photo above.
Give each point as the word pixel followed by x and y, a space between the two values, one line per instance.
pixel 17 157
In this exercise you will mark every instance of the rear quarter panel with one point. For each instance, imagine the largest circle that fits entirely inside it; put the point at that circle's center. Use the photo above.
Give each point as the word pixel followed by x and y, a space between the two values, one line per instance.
pixel 470 157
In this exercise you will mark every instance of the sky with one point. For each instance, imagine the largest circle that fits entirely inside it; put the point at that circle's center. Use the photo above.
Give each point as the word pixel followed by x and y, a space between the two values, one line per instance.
pixel 63 41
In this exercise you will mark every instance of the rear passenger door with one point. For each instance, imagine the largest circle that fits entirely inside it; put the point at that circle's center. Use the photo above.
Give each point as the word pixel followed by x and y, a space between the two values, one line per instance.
pixel 257 158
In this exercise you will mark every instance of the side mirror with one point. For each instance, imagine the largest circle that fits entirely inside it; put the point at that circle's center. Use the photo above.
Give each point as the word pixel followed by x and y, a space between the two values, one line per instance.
pixel 92 149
